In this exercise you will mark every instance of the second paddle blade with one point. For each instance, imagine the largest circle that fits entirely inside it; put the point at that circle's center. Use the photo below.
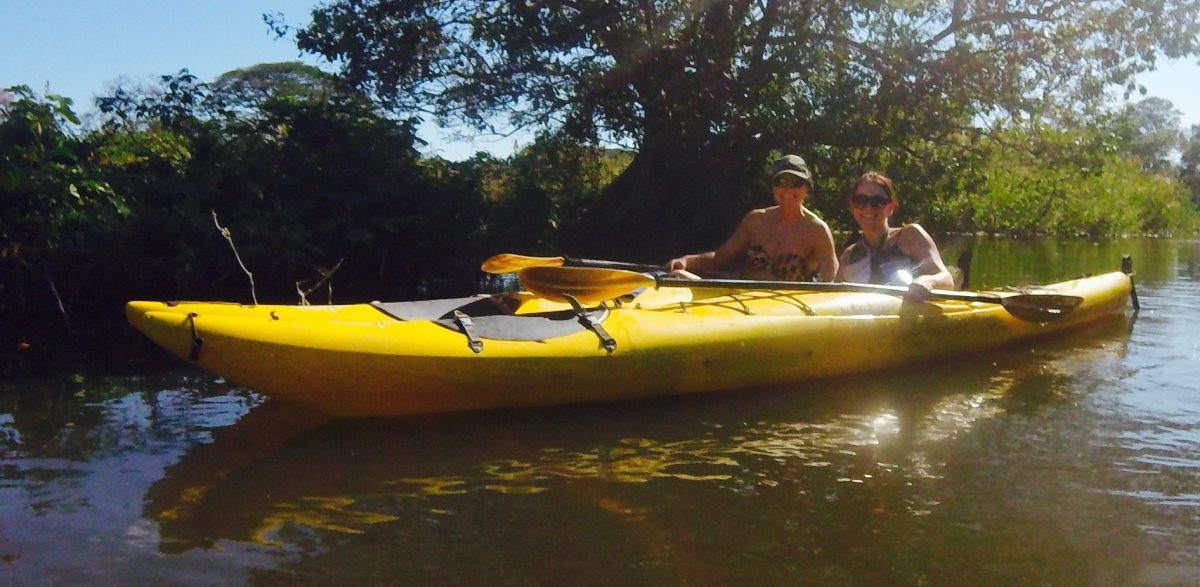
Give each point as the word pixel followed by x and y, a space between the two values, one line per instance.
pixel 1040 307
pixel 586 285
pixel 510 262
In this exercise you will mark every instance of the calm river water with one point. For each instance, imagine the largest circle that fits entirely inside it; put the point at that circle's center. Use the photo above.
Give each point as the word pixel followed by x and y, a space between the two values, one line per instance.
pixel 1072 461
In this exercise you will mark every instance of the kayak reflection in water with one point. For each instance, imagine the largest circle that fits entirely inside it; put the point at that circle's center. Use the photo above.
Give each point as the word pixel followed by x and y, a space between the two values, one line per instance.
pixel 785 242
pixel 891 256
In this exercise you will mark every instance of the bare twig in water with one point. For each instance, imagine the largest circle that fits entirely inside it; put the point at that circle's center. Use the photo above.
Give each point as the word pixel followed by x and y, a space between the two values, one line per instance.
pixel 229 237
pixel 62 309
pixel 325 276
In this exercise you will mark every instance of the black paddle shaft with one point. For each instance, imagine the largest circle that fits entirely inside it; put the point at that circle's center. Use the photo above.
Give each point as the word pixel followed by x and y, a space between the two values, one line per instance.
pixel 639 267
pixel 840 286
pixel 1032 307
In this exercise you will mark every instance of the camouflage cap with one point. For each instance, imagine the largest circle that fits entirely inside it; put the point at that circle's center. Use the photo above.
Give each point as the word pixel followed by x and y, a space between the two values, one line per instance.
pixel 793 165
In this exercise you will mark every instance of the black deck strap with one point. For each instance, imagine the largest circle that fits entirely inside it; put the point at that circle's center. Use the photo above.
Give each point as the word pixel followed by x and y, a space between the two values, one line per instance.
pixel 468 328
pixel 1127 269
pixel 745 309
pixel 591 323
pixel 197 342
pixel 794 298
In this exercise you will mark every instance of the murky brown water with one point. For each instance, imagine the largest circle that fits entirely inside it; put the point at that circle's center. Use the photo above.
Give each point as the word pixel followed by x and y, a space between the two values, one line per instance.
pixel 1073 461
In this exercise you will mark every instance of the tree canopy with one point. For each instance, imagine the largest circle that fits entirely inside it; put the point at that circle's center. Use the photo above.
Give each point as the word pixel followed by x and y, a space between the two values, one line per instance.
pixel 1190 163
pixel 706 90
pixel 1155 134
pixel 260 82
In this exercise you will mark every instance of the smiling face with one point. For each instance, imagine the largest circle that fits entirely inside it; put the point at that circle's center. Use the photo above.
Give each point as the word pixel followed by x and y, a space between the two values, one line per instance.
pixel 790 190
pixel 871 205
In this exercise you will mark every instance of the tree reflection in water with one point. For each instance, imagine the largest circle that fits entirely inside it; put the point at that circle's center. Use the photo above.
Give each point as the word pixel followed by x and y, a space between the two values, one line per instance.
pixel 279 467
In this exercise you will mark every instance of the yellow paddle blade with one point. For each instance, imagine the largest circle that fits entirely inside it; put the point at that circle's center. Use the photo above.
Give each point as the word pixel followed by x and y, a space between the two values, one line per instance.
pixel 511 262
pixel 587 285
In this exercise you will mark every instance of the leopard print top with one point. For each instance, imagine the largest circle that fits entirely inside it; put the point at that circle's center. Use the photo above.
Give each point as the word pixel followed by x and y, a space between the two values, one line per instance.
pixel 785 267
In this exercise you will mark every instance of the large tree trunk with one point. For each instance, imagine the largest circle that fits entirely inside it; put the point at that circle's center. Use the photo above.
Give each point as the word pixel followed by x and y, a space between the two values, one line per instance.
pixel 697 169
pixel 674 198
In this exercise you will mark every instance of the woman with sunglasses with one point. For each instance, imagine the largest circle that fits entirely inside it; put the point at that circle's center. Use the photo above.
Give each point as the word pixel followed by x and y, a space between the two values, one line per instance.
pixel 785 242
pixel 886 255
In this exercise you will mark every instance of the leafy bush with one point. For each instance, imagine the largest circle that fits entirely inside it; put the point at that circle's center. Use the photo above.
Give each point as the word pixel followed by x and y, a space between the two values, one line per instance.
pixel 1048 181
pixel 58 215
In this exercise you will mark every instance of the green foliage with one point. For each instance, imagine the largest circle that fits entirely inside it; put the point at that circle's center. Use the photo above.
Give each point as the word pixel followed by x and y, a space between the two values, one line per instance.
pixel 54 189
pixel 304 180
pixel 181 103
pixel 923 171
pixel 1152 129
pixel 1189 172
pixel 58 212
pixel 1042 180
pixel 545 187
pixel 255 84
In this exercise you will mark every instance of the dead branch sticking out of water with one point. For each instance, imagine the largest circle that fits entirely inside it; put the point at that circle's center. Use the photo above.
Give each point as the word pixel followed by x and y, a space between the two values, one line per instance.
pixel 325 276
pixel 229 237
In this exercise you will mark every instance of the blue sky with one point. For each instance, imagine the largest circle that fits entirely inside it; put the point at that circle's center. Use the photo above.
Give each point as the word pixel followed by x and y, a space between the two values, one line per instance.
pixel 81 47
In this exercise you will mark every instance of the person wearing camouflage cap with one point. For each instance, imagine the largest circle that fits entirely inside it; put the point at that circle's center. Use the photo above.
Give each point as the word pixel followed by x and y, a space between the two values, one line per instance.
pixel 783 242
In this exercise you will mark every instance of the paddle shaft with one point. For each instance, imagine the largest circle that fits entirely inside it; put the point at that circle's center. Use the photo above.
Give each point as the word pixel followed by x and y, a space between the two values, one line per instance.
pixel 1031 307
pixel 573 262
pixel 588 285
pixel 939 294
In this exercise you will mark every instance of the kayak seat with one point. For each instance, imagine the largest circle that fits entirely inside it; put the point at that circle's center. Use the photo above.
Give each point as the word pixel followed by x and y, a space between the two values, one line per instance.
pixel 491 317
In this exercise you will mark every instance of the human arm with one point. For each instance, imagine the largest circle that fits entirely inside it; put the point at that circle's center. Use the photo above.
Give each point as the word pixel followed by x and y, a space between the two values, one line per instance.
pixel 825 255
pixel 693 262
pixel 930 272
pixel 845 264
pixel 727 252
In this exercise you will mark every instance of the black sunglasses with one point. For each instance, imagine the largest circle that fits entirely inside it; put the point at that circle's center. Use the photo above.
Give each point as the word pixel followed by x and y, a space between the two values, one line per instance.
pixel 863 200
pixel 789 182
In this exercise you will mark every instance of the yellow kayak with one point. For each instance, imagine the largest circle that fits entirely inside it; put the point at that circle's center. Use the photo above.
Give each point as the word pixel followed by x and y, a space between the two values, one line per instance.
pixel 520 350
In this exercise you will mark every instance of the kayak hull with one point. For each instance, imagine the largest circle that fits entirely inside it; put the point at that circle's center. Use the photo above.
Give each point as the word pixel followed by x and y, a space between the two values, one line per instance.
pixel 359 361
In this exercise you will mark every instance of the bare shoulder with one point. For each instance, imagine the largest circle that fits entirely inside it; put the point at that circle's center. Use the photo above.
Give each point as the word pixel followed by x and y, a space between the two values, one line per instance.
pixel 814 224
pixel 818 221
pixel 914 232
pixel 757 216
pixel 914 240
